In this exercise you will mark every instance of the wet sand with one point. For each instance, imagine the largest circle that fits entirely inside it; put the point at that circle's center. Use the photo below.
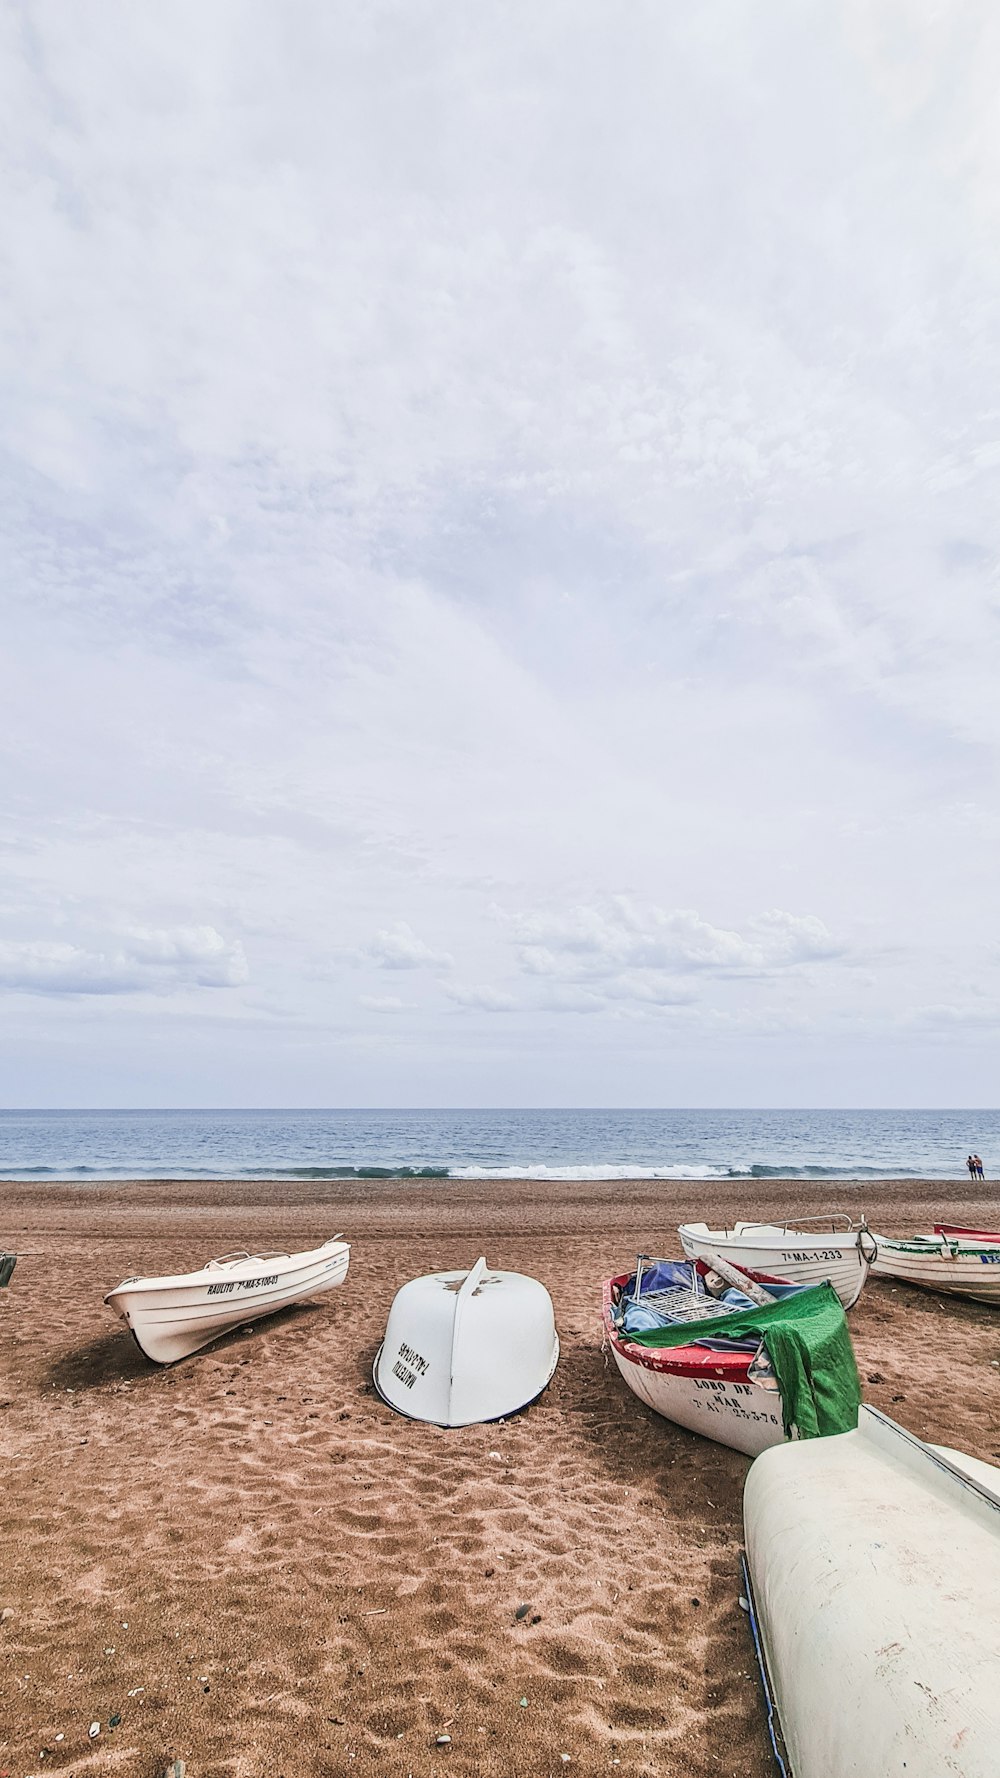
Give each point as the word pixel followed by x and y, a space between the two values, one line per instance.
pixel 260 1569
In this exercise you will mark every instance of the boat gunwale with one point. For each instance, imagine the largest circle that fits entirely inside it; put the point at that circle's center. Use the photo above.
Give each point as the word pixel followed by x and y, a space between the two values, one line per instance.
pixel 954 1232
pixel 748 1233
pixel 676 1361
pixel 144 1285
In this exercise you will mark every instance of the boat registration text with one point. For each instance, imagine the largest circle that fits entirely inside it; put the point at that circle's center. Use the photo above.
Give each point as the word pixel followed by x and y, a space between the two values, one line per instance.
pixel 240 1284
pixel 409 1366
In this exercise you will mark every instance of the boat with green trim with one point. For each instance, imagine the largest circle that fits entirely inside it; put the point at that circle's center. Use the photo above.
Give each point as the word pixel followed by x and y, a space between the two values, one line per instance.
pixel 958 1261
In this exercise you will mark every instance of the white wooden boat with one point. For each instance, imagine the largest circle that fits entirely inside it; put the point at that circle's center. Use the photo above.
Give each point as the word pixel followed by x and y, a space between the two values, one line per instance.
pixel 7 1263
pixel 731 1397
pixel 172 1317
pixel 686 1345
pixel 462 1347
pixel 874 1572
pixel 960 1262
pixel 840 1253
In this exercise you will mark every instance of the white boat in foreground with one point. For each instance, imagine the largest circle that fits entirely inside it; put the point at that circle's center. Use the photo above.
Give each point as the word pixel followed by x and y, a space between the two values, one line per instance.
pixel 960 1262
pixel 174 1316
pixel 874 1565
pixel 462 1347
pixel 839 1253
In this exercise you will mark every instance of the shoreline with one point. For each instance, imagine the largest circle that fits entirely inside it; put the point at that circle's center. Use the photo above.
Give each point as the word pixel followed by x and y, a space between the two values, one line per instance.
pixel 313 1585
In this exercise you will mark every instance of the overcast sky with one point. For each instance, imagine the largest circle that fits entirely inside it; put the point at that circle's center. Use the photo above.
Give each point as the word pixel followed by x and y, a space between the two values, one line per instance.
pixel 500 553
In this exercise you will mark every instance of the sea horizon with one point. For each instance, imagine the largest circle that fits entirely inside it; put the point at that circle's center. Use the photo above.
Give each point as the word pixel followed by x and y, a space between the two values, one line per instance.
pixel 413 1143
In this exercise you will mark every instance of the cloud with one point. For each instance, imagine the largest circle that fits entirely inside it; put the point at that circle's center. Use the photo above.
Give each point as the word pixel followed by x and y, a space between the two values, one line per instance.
pixel 566 998
pixel 159 962
pixel 385 1003
pixel 397 519
pixel 198 953
pixel 617 939
pixel 652 987
pixel 483 999
pixel 398 947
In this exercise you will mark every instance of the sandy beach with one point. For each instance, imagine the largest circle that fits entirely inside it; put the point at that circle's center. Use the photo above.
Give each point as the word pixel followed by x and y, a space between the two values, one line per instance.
pixel 248 1562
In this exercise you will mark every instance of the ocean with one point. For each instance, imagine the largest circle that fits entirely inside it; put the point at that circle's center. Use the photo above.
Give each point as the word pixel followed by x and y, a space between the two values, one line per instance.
pixel 495 1144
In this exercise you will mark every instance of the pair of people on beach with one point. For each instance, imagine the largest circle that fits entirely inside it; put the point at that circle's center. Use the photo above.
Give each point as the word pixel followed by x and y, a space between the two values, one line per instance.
pixel 975 1167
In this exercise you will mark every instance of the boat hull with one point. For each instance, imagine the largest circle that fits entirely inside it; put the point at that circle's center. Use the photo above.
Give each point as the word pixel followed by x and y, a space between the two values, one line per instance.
pixel 462 1348
pixel 956 1268
pixel 707 1392
pixel 173 1317
pixel 841 1260
pixel 875 1563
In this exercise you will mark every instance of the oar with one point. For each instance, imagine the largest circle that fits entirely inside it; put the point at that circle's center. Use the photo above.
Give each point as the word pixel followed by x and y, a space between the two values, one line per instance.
pixel 732 1275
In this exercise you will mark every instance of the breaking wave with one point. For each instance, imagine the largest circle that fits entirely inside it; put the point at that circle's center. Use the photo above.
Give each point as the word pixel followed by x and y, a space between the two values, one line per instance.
pixel 582 1171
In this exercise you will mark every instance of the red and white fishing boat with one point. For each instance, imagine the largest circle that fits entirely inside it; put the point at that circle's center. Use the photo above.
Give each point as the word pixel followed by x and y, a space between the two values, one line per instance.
pixel 840 1252
pixel 173 1316
pixel 957 1261
pixel 729 1396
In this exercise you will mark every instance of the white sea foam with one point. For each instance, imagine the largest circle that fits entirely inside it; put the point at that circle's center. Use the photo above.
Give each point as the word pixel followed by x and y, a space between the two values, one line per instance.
pixel 590 1170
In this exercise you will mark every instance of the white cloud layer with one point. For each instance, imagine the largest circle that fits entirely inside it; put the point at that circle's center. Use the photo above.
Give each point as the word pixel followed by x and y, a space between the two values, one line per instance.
pixel 398 947
pixel 482 998
pixel 142 962
pixel 526 458
pixel 590 943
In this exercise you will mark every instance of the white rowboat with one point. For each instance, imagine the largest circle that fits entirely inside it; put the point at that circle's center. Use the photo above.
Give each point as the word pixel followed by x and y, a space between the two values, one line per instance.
pixel 874 1565
pixel 960 1262
pixel 172 1317
pixel 731 1397
pixel 462 1347
pixel 698 1349
pixel 839 1255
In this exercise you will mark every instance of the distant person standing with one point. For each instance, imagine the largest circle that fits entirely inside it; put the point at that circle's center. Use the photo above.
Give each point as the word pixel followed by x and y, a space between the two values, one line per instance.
pixel 977 1163
pixel 971 1164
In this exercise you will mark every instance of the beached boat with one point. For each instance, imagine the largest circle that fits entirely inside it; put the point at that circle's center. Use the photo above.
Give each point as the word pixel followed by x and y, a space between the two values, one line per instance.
pixel 960 1262
pixel 840 1252
pixel 7 1263
pixel 702 1359
pixel 874 1575
pixel 462 1347
pixel 172 1317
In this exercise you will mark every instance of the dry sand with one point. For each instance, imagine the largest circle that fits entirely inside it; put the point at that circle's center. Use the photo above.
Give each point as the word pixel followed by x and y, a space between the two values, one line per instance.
pixel 260 1569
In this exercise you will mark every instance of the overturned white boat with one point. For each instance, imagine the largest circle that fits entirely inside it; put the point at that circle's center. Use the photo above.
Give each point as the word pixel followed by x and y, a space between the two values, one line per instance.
pixel 960 1262
pixel 840 1252
pixel 874 1565
pixel 172 1317
pixel 462 1347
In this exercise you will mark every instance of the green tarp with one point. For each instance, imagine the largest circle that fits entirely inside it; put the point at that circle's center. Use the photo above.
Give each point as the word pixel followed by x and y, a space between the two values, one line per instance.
pixel 809 1346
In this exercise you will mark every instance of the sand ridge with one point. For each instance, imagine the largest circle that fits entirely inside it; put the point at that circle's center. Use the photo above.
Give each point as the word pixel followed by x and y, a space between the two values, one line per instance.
pixel 259 1568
